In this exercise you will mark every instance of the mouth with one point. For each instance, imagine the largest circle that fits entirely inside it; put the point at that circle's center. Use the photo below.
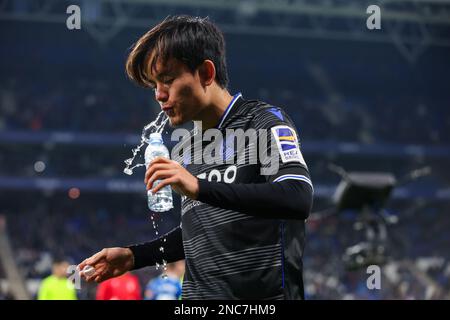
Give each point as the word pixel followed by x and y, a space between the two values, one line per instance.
pixel 168 111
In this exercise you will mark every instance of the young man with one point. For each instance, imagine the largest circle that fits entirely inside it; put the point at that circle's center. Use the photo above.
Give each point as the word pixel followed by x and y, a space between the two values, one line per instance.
pixel 241 232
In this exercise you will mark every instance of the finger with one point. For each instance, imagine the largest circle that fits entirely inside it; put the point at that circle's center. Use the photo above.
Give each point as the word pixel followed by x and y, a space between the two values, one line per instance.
pixel 96 258
pixel 82 265
pixel 86 278
pixel 102 277
pixel 152 168
pixel 160 160
pixel 162 174
pixel 164 183
pixel 98 271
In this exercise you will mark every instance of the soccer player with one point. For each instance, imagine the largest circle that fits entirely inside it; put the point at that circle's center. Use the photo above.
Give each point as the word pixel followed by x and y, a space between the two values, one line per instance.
pixel 242 232
pixel 56 286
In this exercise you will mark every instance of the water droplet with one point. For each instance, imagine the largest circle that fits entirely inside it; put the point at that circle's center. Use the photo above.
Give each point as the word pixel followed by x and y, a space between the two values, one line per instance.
pixel 161 249
pixel 155 126
pixel 164 265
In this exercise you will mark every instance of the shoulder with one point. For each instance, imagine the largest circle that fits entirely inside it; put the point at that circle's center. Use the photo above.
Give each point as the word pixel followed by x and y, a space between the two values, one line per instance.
pixel 48 279
pixel 47 282
pixel 265 115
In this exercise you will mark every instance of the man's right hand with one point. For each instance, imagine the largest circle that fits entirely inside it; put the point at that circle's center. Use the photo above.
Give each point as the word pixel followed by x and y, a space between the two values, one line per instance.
pixel 108 263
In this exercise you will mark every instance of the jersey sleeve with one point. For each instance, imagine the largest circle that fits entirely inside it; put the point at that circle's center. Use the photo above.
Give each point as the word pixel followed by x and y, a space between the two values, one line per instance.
pixel 148 253
pixel 281 156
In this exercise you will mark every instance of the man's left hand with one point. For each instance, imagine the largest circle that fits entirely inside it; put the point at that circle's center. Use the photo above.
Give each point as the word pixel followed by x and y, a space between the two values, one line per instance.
pixel 171 173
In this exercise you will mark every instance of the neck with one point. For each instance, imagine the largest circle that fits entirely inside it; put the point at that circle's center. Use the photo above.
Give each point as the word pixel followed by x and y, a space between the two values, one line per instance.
pixel 211 115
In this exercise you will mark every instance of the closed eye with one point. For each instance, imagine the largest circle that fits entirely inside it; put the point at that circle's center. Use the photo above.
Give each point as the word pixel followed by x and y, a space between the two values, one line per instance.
pixel 168 80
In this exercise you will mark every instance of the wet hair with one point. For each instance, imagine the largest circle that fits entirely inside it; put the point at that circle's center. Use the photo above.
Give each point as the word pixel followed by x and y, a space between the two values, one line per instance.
pixel 191 40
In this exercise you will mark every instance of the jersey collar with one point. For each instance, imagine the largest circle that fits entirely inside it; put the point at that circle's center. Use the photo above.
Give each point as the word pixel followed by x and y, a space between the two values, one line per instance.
pixel 228 109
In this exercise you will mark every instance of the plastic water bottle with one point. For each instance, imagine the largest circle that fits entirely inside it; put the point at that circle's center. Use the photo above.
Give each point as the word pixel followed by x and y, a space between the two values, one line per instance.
pixel 162 200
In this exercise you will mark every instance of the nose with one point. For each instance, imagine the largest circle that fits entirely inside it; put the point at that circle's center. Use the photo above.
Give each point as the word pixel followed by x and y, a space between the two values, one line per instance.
pixel 161 94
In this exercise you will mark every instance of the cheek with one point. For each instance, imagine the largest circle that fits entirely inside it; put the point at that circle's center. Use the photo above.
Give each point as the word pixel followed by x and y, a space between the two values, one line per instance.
pixel 186 92
pixel 187 98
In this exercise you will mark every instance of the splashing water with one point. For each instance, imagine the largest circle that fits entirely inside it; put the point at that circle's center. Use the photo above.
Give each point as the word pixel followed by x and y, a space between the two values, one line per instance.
pixel 155 126
pixel 154 218
pixel 164 275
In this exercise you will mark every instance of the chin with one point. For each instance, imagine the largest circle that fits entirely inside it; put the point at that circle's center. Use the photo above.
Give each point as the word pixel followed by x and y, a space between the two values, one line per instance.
pixel 175 121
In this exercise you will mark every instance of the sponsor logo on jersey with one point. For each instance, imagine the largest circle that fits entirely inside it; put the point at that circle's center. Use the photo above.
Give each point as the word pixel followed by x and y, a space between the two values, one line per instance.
pixel 288 146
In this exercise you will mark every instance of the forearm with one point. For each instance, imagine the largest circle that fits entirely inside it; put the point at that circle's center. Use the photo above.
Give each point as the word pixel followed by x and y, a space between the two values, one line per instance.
pixel 149 253
pixel 288 199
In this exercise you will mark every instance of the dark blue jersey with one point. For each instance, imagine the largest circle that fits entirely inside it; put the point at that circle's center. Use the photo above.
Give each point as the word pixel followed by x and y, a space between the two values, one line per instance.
pixel 243 237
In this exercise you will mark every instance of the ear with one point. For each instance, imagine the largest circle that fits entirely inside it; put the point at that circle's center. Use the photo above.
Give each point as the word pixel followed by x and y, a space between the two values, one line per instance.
pixel 207 72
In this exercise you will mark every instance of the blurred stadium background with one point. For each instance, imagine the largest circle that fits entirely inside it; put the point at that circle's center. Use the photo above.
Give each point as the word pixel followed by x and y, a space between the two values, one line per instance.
pixel 366 101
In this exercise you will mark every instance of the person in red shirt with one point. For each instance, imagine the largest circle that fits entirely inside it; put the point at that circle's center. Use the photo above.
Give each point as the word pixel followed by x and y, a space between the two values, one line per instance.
pixel 125 287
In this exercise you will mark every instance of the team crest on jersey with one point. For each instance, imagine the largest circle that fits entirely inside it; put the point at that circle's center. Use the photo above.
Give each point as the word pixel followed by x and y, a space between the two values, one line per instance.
pixel 288 146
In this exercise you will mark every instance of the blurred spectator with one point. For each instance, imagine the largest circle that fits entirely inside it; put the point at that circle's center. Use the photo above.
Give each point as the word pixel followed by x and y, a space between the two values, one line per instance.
pixel 167 286
pixel 57 286
pixel 125 287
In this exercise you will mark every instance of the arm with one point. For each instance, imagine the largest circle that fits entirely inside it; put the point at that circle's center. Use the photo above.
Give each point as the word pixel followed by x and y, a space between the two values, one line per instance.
pixel 286 199
pixel 113 262
pixel 148 253
pixel 289 199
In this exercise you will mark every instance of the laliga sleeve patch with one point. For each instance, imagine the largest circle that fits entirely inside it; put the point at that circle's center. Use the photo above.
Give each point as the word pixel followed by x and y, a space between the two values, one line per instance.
pixel 287 143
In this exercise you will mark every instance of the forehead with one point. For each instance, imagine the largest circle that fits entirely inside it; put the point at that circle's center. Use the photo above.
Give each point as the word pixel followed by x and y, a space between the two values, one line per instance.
pixel 61 264
pixel 158 66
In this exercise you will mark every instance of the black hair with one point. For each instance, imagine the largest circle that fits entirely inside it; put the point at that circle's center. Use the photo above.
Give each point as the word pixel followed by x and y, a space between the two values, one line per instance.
pixel 191 40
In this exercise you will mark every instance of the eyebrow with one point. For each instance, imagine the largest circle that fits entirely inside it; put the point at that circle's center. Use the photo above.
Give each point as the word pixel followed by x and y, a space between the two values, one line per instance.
pixel 161 75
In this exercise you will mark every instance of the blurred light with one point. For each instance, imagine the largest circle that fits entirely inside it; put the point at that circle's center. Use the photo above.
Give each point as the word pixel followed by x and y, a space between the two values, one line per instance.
pixel 39 166
pixel 74 193
pixel 247 8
